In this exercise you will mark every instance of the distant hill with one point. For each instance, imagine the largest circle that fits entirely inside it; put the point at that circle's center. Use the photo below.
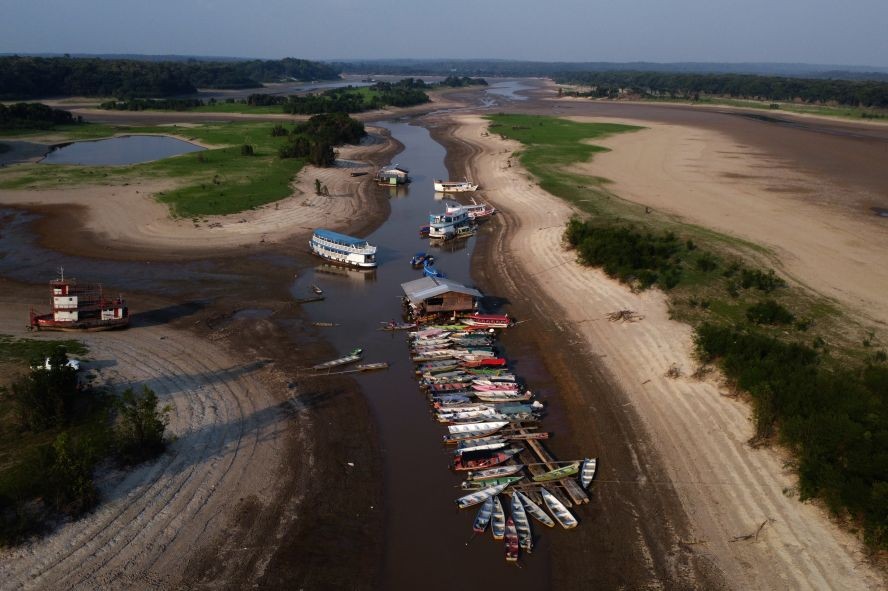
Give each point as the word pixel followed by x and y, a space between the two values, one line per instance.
pixel 28 77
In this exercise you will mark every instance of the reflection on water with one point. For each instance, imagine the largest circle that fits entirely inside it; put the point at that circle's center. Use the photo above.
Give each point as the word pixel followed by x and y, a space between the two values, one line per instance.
pixel 509 89
pixel 127 149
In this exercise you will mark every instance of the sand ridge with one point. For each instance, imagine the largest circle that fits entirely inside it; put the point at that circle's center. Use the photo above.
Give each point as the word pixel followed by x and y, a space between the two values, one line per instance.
pixel 727 488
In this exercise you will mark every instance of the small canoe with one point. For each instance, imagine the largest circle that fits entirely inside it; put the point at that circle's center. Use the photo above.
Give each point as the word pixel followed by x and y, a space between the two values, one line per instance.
pixel 558 473
pixel 398 325
pixel 522 524
pixel 492 445
pixel 471 415
pixel 480 496
pixel 534 510
pixel 562 515
pixel 372 366
pixel 482 460
pixel 587 472
pixel 497 472
pixel 487 362
pixel 502 396
pixel 498 520
pixel 507 480
pixel 512 544
pixel 483 517
pixel 353 356
pixel 317 289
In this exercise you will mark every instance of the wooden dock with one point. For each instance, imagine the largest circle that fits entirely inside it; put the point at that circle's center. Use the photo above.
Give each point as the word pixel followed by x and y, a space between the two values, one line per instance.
pixel 539 461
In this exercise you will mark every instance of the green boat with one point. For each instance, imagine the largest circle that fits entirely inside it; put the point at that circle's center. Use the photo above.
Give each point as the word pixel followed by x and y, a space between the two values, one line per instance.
pixel 558 473
pixel 478 485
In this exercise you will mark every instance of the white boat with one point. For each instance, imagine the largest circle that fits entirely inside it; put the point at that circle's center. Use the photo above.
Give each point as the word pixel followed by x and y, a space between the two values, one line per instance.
pixel 562 515
pixel 464 186
pixel 483 444
pixel 522 524
pixel 343 249
pixel 481 495
pixel 447 225
pixel 353 356
pixel 535 510
pixel 483 517
pixel 498 520
pixel 587 472
pixel 466 428
pixel 476 211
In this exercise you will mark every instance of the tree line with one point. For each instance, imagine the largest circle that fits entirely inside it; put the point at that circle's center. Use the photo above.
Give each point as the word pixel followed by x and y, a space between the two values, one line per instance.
pixel 405 93
pixel 861 93
pixel 315 139
pixel 33 116
pixel 30 77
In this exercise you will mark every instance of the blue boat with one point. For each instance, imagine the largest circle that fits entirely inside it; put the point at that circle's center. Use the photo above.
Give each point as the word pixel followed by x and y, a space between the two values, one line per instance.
pixel 430 271
pixel 420 259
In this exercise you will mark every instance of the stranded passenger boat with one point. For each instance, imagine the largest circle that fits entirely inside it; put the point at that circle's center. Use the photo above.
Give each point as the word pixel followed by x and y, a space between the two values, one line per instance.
pixel 464 186
pixel 80 306
pixel 449 224
pixel 343 249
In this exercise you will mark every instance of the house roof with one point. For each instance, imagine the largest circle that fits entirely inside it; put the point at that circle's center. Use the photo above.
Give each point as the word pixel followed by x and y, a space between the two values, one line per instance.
pixel 424 288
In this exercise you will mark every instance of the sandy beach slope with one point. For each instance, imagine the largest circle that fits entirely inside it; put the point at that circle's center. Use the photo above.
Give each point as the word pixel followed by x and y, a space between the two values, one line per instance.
pixel 822 234
pixel 727 488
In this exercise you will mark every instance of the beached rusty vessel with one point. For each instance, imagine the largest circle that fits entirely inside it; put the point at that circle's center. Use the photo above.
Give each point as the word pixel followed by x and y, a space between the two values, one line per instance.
pixel 80 306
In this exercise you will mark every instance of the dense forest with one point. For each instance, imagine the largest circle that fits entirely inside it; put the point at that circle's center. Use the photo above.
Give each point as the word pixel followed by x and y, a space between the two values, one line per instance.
pixel 416 67
pixel 29 77
pixel 405 93
pixel 33 116
pixel 769 88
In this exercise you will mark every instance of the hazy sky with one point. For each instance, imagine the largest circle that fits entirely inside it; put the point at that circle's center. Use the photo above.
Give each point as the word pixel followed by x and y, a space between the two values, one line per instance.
pixel 853 32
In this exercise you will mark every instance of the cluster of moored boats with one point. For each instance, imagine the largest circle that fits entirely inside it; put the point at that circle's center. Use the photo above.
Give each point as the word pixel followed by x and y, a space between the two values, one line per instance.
pixel 489 414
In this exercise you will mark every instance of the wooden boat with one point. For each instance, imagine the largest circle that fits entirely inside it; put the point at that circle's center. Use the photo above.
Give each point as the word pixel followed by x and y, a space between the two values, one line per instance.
pixel 397 325
pixel 434 367
pixel 457 437
pixel 480 496
pixel 325 324
pixel 317 290
pixel 512 544
pixel 353 356
pixel 476 444
pixel 486 362
pixel 488 320
pixel 522 524
pixel 534 510
pixel 372 366
pixel 477 427
pixel 355 174
pixel 483 459
pixel 558 473
pixel 508 379
pixel 464 186
pixel 497 472
pixel 483 517
pixel 449 388
pixel 486 446
pixel 478 485
pixel 495 387
pixel 502 396
pixel 458 416
pixel 498 520
pixel 562 515
pixel 587 472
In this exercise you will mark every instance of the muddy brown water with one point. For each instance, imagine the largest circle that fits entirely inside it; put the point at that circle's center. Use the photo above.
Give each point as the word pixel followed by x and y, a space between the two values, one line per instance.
pixel 428 541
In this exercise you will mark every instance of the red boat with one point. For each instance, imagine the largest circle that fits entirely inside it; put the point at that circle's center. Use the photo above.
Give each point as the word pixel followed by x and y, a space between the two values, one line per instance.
pixel 80 306
pixel 479 460
pixel 486 362
pixel 488 320
pixel 512 546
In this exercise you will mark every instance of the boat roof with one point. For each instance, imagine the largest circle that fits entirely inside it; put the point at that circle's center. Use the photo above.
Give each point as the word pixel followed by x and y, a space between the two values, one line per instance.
pixel 342 238
pixel 421 289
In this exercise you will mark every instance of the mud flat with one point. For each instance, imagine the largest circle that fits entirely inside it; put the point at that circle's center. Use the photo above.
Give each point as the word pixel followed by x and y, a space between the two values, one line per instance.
pixel 690 439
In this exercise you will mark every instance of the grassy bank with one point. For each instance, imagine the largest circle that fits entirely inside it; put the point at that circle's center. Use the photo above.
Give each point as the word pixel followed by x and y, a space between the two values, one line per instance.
pixel 220 180
pixel 817 381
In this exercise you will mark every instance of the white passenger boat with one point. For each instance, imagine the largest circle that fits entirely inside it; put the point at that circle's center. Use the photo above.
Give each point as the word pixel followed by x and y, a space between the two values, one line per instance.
pixel 343 249
pixel 455 221
pixel 464 186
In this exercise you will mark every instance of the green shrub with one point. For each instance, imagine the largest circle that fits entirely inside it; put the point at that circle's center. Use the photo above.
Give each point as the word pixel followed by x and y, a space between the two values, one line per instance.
pixel 769 312
pixel 140 427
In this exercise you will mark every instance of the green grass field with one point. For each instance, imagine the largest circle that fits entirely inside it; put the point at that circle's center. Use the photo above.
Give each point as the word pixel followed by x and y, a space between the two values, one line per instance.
pixel 217 181
pixel 239 108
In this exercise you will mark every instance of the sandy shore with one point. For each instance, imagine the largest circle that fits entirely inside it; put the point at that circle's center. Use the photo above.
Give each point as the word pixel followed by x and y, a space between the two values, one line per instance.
pixel 820 235
pixel 119 220
pixel 727 488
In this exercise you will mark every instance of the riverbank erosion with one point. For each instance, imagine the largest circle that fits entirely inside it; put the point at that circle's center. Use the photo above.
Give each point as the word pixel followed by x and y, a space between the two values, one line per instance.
pixel 127 221
pixel 657 438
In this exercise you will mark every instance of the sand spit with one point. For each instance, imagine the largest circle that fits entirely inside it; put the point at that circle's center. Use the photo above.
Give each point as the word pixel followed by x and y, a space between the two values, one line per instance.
pixel 124 219
pixel 727 488
pixel 704 177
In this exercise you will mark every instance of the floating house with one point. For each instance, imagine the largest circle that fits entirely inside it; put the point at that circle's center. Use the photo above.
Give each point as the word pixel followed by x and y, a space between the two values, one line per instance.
pixel 392 175
pixel 436 295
